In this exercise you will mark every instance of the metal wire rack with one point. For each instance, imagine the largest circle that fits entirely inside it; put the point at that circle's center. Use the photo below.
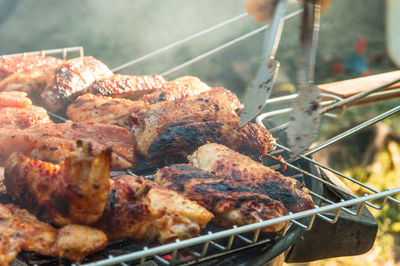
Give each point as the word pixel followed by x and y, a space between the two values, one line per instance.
pixel 216 243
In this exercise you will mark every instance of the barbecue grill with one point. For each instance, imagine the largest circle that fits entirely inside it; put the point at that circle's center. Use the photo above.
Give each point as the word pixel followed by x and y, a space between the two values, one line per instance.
pixel 339 215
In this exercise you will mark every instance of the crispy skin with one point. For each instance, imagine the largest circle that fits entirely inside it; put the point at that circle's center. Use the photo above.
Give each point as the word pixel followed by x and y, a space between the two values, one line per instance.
pixel 231 203
pixel 127 86
pixel 168 131
pixel 186 86
pixel 17 111
pixel 223 161
pixel 19 229
pixel 53 142
pixel 75 191
pixel 140 209
pixel 106 110
pixel 72 79
pixel 26 64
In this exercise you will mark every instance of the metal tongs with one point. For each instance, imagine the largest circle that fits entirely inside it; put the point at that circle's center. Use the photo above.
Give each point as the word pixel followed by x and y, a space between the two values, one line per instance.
pixel 258 91
pixel 305 118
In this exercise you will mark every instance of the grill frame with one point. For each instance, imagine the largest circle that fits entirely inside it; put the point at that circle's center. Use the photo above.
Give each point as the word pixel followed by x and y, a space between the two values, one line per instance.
pixel 303 220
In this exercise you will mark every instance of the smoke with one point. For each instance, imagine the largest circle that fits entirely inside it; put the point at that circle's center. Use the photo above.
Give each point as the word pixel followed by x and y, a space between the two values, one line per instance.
pixel 119 31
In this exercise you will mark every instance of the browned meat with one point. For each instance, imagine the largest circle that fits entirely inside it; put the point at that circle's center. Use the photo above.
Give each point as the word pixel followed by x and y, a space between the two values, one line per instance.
pixel 17 111
pixel 53 142
pixel 231 203
pixel 106 110
pixel 127 86
pixel 28 74
pixel 232 165
pixel 16 99
pixel 21 230
pixel 75 191
pixel 182 87
pixel 2 187
pixel 72 79
pixel 169 131
pixel 123 112
pixel 21 118
pixel 139 208
pixel 26 64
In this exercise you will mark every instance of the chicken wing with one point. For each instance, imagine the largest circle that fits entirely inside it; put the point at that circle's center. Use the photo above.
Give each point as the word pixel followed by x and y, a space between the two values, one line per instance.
pixel 231 203
pixel 169 131
pixel 19 229
pixel 106 110
pixel 140 209
pixel 127 86
pixel 223 161
pixel 75 191
pixel 72 79
pixel 53 142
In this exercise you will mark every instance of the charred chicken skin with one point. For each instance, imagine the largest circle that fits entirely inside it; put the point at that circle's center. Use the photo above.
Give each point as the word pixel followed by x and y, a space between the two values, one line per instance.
pixel 20 230
pixel 168 131
pixel 231 203
pixel 26 73
pixel 140 209
pixel 105 110
pixel 17 111
pixel 127 86
pixel 53 142
pixel 75 191
pixel 72 79
pixel 239 168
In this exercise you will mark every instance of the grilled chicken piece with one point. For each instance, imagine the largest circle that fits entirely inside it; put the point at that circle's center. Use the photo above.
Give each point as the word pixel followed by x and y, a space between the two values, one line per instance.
pixel 223 161
pixel 15 99
pixel 28 74
pixel 186 86
pixel 21 118
pixel 231 203
pixel 127 86
pixel 19 229
pixel 2 186
pixel 72 79
pixel 140 209
pixel 122 112
pixel 169 131
pixel 106 110
pixel 75 191
pixel 26 65
pixel 53 142
pixel 17 111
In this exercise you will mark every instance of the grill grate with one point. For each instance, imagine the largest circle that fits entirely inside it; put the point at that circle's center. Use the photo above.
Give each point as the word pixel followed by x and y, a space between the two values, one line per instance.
pixel 217 242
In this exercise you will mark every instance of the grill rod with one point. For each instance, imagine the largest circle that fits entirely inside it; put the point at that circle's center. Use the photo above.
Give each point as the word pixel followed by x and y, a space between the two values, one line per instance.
pixel 239 230
pixel 226 45
pixel 155 53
